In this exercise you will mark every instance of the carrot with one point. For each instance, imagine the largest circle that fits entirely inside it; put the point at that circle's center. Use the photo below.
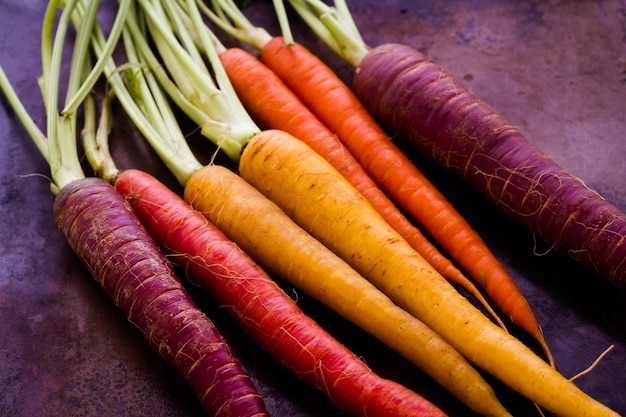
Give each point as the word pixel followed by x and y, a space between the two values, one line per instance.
pixel 502 164
pixel 355 298
pixel 424 104
pixel 317 86
pixel 261 307
pixel 274 106
pixel 434 297
pixel 317 197
pixel 103 231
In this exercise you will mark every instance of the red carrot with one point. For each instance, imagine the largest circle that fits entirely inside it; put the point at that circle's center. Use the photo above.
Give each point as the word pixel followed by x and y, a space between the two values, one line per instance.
pixel 339 109
pixel 103 231
pixel 274 106
pixel 262 308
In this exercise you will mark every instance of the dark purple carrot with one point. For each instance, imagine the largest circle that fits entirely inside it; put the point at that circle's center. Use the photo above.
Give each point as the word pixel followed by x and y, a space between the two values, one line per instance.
pixel 425 104
pixel 104 232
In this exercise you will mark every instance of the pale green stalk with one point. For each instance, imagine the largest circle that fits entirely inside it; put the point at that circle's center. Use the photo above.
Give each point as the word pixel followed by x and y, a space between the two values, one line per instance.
pixel 147 107
pixel 47 29
pixel 335 26
pixel 88 82
pixel 38 137
pixel 207 43
pixel 171 145
pixel 347 20
pixel 141 44
pixel 230 19
pixel 80 52
pixel 62 154
pixel 283 21
pixel 210 92
pixel 95 137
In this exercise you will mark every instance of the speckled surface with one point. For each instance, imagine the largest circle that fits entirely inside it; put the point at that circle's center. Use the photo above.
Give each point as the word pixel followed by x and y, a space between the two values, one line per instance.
pixel 556 69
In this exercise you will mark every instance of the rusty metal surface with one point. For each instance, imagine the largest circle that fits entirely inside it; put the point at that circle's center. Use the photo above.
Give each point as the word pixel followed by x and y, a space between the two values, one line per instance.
pixel 556 69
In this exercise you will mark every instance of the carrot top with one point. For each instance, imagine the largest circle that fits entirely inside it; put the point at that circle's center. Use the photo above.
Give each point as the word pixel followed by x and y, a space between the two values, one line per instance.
pixel 142 86
pixel 228 17
pixel 145 103
pixel 58 144
pixel 335 26
pixel 185 44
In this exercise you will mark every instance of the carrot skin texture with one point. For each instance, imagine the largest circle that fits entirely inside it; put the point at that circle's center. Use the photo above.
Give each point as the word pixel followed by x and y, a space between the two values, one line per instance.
pixel 263 309
pixel 274 106
pixel 311 192
pixel 424 104
pixel 304 262
pixel 389 166
pixel 104 232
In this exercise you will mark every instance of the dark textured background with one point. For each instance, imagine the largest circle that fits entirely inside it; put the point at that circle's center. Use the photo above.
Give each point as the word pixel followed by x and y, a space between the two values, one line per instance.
pixel 556 69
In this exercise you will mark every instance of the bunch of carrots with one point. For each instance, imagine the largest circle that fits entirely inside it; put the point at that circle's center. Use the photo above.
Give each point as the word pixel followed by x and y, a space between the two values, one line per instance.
pixel 322 183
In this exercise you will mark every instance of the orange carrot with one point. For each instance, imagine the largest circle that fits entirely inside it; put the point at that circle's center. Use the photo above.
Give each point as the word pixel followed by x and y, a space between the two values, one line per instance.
pixel 274 106
pixel 332 101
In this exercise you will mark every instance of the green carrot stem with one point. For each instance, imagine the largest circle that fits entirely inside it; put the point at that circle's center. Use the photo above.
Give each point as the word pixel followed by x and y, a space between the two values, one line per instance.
pixel 335 26
pixel 88 82
pixel 228 17
pixel 227 124
pixel 141 96
pixel 283 21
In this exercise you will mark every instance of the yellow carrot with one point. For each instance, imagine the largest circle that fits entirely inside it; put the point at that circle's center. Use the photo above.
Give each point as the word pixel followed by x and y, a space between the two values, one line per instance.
pixel 321 201
pixel 265 232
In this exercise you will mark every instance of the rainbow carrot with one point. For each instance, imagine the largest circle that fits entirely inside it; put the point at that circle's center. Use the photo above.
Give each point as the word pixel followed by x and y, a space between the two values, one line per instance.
pixel 369 244
pixel 161 130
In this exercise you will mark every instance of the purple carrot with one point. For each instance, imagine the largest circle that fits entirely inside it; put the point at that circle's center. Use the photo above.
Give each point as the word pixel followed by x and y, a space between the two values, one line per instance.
pixel 423 103
pixel 104 232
